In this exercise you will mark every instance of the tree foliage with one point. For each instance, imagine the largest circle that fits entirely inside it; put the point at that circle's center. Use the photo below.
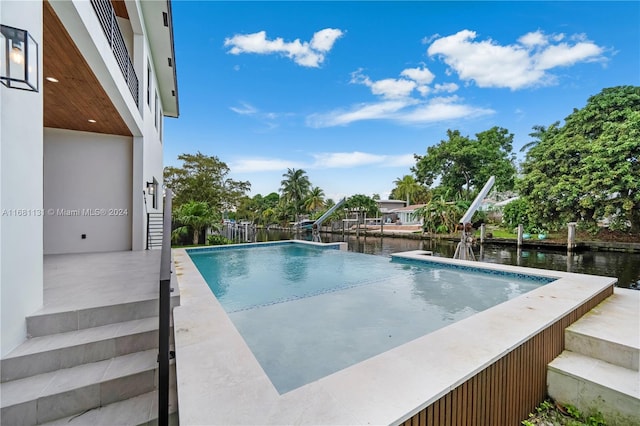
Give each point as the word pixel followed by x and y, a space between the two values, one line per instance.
pixel 362 204
pixel 589 168
pixel 462 164
pixel 407 188
pixel 295 187
pixel 197 215
pixel 204 178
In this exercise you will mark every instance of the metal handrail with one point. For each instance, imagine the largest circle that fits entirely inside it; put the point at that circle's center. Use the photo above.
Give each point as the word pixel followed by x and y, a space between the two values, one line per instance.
pixel 107 17
pixel 164 314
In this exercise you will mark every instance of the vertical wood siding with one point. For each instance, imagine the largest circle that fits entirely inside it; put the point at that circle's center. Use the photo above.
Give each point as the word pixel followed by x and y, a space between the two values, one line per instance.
pixel 505 392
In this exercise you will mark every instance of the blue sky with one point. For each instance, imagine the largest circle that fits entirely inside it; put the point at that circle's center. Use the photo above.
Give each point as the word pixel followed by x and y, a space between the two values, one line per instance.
pixel 349 91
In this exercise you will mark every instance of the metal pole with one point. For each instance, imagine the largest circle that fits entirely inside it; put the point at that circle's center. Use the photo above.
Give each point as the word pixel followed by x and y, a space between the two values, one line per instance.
pixel 164 314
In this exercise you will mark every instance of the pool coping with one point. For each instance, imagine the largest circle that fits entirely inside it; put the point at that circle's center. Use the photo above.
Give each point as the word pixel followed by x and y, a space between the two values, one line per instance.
pixel 221 382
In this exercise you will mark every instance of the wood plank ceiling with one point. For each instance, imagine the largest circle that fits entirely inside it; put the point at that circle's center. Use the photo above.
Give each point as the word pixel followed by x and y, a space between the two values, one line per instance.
pixel 77 97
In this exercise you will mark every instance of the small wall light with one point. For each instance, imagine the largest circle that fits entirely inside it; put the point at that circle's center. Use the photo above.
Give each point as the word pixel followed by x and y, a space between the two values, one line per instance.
pixel 152 190
pixel 18 59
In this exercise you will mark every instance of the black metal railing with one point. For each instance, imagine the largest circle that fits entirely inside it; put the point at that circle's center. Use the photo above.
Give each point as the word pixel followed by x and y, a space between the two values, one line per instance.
pixel 155 227
pixel 164 314
pixel 107 17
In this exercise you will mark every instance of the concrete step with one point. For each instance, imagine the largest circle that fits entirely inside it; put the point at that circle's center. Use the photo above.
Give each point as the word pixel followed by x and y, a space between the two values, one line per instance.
pixel 64 350
pixel 593 385
pixel 139 410
pixel 71 391
pixel 611 331
pixel 51 321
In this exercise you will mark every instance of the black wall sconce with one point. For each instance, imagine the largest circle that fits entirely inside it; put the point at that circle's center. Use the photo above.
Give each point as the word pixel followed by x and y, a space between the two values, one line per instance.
pixel 18 59
pixel 152 190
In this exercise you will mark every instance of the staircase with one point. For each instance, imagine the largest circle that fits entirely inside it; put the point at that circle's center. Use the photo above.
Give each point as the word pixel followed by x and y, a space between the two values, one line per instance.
pixel 154 230
pixel 598 371
pixel 91 356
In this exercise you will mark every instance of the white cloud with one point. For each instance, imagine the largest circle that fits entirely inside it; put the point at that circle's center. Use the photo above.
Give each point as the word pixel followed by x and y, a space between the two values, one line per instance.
pixel 391 88
pixel 302 53
pixel 446 87
pixel 515 66
pixel 371 111
pixel 254 165
pixel 564 55
pixel 443 109
pixel 533 39
pixel 345 159
pixel 244 109
pixel 356 159
pixel 323 40
pixel 419 75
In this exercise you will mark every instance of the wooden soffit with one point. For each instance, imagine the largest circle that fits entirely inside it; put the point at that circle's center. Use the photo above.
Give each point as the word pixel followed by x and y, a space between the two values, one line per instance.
pixel 78 96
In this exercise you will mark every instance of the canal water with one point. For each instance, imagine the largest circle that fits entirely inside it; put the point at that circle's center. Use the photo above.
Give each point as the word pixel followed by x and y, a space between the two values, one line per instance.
pixel 624 266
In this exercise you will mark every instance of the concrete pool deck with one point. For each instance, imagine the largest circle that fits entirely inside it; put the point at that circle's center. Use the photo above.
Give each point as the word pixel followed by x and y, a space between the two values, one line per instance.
pixel 221 382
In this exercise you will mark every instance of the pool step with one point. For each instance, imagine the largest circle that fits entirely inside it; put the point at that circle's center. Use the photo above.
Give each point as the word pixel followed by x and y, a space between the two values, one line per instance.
pixel 71 391
pixel 593 385
pixel 64 350
pixel 610 331
pixel 598 371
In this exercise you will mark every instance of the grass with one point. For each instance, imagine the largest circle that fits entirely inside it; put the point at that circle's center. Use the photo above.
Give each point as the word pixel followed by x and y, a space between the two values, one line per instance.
pixel 554 414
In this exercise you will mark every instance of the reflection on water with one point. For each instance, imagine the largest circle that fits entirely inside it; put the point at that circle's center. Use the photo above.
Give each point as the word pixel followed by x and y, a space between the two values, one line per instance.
pixel 624 266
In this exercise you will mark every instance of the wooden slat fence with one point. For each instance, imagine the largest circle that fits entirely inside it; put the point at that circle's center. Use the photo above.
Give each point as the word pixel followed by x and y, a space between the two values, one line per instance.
pixel 509 389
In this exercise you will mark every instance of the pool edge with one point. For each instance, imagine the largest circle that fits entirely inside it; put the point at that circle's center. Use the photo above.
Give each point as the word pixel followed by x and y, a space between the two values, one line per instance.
pixel 221 382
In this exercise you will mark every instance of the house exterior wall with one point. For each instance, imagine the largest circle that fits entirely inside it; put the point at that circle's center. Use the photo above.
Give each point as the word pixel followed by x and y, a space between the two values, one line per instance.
pixel 87 191
pixel 147 160
pixel 21 119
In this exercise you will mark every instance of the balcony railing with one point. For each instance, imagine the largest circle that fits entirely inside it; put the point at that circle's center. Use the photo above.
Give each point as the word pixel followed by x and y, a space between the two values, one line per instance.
pixel 107 17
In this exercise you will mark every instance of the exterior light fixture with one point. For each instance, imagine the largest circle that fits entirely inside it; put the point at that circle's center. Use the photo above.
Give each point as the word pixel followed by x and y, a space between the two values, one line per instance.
pixel 152 190
pixel 18 59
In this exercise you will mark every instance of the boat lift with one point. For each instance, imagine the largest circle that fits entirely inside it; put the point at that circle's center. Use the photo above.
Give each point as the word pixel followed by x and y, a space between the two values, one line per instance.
pixel 464 251
pixel 315 228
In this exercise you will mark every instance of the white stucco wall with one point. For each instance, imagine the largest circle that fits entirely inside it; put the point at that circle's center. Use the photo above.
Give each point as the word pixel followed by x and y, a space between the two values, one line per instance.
pixel 87 190
pixel 20 189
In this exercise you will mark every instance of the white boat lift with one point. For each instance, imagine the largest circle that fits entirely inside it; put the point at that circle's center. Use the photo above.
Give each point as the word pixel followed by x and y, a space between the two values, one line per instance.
pixel 315 228
pixel 464 251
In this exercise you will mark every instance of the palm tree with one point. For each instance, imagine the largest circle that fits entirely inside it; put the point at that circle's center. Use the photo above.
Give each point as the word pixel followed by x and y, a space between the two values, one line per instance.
pixel 295 187
pixel 539 133
pixel 315 200
pixel 197 215
pixel 406 187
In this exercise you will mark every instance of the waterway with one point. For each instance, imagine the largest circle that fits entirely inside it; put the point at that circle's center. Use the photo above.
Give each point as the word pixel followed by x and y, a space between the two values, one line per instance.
pixel 624 266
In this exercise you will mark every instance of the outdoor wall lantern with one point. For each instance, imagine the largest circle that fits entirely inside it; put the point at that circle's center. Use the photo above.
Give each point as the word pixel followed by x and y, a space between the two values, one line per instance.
pixel 152 190
pixel 18 59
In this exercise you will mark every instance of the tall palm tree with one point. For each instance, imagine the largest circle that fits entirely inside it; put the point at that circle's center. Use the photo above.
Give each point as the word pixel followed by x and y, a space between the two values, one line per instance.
pixel 295 187
pixel 314 200
pixel 406 187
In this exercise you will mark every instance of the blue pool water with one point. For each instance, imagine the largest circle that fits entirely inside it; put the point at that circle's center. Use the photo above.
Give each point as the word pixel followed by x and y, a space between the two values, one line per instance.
pixel 307 312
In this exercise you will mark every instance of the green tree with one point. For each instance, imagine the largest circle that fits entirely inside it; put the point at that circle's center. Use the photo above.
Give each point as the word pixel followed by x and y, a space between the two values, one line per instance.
pixel 461 163
pixel 589 168
pixel 204 178
pixel 314 200
pixel 406 188
pixel 362 204
pixel 294 187
pixel 197 215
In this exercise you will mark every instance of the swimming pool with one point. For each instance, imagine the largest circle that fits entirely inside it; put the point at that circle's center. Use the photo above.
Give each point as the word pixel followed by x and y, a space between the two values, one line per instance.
pixel 308 311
